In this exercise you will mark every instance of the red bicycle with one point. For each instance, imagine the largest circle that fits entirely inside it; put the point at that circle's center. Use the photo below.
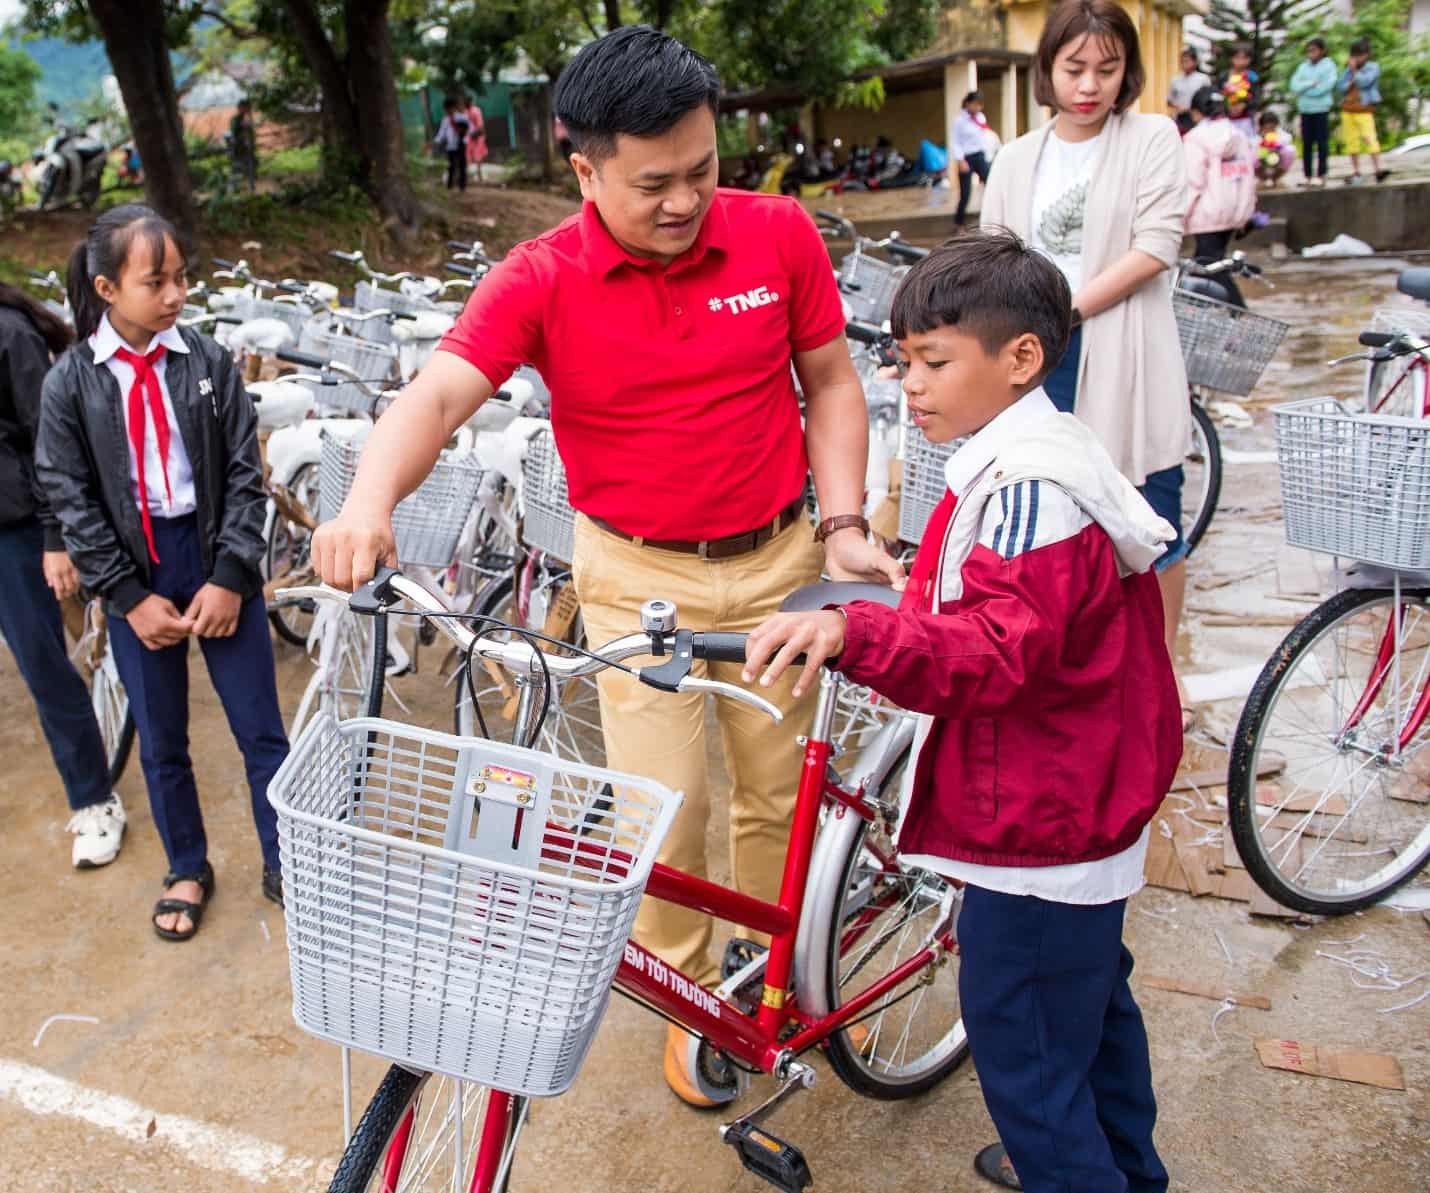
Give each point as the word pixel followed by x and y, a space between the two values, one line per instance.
pixel 862 955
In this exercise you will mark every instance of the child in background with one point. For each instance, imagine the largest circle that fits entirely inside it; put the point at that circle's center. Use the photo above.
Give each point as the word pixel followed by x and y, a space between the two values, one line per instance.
pixel 148 451
pixel 1240 86
pixel 1313 86
pixel 1030 635
pixel 1359 89
pixel 1275 151
pixel 1179 95
pixel 970 132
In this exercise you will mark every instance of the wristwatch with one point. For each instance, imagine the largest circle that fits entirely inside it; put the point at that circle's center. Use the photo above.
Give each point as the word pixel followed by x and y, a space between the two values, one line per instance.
pixel 840 522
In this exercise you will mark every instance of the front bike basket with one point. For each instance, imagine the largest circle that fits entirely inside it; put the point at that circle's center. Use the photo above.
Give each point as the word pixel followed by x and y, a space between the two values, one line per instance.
pixel 548 521
pixel 923 485
pixel 428 522
pixel 459 905
pixel 868 285
pixel 1225 347
pixel 1355 485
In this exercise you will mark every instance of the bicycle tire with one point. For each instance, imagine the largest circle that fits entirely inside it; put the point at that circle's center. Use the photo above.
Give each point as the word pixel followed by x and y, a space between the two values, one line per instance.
pixel 845 1057
pixel 363 1158
pixel 283 617
pixel 1275 681
pixel 1204 428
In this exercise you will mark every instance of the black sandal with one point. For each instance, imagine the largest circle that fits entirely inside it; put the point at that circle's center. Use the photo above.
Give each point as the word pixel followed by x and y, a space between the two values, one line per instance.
pixel 195 911
pixel 992 1164
pixel 273 885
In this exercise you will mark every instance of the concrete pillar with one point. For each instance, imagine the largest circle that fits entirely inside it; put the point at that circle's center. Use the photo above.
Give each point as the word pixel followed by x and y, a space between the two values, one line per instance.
pixel 1037 114
pixel 952 102
pixel 1008 119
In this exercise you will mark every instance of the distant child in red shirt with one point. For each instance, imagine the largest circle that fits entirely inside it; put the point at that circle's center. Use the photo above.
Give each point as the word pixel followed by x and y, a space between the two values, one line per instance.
pixel 1030 636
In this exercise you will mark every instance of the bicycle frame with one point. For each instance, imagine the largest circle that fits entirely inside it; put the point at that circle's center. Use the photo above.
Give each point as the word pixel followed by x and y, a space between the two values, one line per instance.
pixel 1386 661
pixel 753 1039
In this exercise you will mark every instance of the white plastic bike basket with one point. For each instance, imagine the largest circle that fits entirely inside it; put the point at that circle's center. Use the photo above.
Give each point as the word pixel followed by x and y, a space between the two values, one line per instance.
pixel 367 297
pixel 1226 347
pixel 549 522
pixel 427 523
pixel 923 484
pixel 458 905
pixel 868 285
pixel 374 363
pixel 1355 485
pixel 294 316
pixel 1399 321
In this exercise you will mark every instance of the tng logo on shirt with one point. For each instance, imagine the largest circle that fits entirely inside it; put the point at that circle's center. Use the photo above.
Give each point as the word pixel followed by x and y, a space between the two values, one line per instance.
pixel 760 296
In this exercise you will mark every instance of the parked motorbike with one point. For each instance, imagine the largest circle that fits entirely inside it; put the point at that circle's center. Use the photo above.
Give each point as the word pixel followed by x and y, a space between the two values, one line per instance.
pixel 71 166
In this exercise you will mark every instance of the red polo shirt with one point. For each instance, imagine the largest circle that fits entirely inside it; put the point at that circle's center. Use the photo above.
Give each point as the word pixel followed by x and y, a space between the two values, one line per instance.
pixel 672 401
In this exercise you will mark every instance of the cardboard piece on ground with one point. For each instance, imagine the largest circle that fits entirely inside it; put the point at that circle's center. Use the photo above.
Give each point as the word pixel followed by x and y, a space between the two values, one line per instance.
pixel 1230 859
pixel 1161 867
pixel 1426 914
pixel 1190 857
pixel 1269 795
pixel 1176 985
pixel 1364 1068
pixel 1263 904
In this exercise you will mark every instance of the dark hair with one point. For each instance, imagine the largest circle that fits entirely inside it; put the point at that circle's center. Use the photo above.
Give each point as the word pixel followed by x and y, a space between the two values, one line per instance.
pixel 637 81
pixel 1101 19
pixel 988 284
pixel 1190 52
pixel 1318 42
pixel 105 252
pixel 1208 101
pixel 1241 47
pixel 1361 45
pixel 53 330
pixel 1267 118
pixel 973 97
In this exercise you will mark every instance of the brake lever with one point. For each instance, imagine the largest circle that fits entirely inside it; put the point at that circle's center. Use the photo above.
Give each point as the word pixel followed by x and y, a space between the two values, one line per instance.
pixel 715 687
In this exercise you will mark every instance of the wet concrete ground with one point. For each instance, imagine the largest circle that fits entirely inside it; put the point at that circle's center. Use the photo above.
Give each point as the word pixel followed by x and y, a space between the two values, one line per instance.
pixel 195 1078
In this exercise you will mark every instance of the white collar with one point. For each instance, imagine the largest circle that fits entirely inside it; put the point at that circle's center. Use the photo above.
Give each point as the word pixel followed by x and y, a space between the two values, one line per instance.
pixel 984 446
pixel 106 341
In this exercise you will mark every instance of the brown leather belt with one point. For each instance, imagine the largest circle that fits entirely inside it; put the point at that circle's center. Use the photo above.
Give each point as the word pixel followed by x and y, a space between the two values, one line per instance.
pixel 722 548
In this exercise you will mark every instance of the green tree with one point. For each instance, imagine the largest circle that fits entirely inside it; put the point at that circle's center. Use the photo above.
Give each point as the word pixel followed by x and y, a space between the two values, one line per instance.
pixel 1262 25
pixel 1404 59
pixel 18 76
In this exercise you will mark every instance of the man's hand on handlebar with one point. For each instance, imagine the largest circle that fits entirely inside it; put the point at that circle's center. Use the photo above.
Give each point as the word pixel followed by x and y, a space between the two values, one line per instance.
pixel 347 550
pixel 782 638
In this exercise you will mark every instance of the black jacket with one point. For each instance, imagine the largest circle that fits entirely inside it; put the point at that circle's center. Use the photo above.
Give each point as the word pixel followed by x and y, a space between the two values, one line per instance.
pixel 24 361
pixel 82 457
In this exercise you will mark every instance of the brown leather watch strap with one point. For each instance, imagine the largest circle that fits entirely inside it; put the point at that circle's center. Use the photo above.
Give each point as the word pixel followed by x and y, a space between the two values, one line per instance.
pixel 840 522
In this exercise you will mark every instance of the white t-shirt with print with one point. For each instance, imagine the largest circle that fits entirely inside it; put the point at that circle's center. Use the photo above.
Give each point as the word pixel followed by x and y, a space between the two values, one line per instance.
pixel 1060 186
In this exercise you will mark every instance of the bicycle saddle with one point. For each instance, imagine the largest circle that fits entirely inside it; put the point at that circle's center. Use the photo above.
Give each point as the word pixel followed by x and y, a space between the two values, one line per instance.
pixel 1416 283
pixel 814 597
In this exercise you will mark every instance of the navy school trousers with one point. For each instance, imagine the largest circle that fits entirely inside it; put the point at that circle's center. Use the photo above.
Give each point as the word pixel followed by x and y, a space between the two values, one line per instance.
pixel 157 681
pixel 1058 1042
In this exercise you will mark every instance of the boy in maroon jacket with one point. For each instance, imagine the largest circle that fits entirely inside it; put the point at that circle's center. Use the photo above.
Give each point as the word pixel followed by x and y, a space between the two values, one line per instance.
pixel 1030 634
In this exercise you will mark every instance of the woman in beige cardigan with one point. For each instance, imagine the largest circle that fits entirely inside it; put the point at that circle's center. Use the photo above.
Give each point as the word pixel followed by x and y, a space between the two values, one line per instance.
pixel 1103 191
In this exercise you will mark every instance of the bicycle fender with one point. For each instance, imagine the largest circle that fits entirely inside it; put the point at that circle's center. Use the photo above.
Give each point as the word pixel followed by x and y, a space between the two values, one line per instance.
pixel 809 972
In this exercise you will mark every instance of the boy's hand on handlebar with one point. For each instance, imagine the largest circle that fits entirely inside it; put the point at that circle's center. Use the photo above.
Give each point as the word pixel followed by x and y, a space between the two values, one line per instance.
pixel 347 550
pixel 156 622
pixel 848 555
pixel 785 636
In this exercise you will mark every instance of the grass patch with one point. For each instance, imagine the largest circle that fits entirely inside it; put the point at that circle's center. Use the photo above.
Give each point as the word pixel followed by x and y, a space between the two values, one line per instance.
pixel 297 161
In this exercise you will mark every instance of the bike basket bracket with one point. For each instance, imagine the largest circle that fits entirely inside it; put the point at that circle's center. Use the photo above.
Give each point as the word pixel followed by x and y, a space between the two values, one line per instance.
pixel 504 809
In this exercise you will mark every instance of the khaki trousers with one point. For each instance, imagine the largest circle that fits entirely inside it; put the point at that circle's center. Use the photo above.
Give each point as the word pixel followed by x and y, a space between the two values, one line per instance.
pixel 661 735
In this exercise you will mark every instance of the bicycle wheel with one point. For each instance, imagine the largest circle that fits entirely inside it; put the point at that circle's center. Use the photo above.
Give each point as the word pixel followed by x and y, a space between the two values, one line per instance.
pixel 1344 818
pixel 1201 471
pixel 438 1148
pixel 287 555
pixel 573 722
pixel 342 679
pixel 113 715
pixel 912 1038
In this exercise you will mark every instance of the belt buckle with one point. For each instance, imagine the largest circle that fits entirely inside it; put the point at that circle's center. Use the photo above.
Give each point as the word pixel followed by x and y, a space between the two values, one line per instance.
pixel 702 548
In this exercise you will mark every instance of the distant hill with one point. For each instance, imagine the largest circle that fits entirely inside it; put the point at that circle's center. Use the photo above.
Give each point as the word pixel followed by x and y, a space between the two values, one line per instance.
pixel 72 72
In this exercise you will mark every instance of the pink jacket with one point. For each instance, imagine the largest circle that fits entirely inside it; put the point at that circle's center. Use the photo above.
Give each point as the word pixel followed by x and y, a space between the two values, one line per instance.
pixel 1221 175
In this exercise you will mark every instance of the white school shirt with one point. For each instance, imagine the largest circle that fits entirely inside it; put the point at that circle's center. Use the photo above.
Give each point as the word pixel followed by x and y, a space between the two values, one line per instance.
pixel 106 345
pixel 1106 879
pixel 1060 187
pixel 968 136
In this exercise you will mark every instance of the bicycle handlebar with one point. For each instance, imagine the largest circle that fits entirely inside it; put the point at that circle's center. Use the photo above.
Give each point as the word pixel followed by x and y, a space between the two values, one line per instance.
pixel 840 223
pixel 863 333
pixel 350 258
pixel 1376 339
pixel 306 359
pixel 902 248
pixel 223 263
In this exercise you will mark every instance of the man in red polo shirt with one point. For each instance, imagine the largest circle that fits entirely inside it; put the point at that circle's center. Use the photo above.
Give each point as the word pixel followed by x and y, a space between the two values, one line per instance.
pixel 664 318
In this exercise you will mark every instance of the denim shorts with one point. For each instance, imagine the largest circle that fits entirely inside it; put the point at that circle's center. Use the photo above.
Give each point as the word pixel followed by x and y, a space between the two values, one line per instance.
pixel 1161 490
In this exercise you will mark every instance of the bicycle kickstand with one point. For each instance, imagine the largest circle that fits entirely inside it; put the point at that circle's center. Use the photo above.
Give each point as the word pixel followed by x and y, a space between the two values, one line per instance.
pixel 765 1154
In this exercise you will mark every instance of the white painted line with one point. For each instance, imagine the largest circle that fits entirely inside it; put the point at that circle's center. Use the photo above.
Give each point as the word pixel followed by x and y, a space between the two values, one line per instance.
pixel 45 1026
pixel 219 1149
pixel 1231 455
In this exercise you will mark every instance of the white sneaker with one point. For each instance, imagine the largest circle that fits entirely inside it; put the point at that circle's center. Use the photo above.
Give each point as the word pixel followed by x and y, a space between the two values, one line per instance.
pixel 98 831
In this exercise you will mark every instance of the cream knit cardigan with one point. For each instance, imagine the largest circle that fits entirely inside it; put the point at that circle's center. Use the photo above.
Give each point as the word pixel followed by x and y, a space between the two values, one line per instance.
pixel 1132 384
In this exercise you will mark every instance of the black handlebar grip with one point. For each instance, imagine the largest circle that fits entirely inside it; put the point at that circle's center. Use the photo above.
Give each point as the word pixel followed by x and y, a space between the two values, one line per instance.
pixel 863 333
pixel 1377 339
pixel 226 319
pixel 909 252
pixel 465 271
pixel 719 647
pixel 462 246
pixel 306 359
pixel 291 287
pixel 222 263
pixel 830 216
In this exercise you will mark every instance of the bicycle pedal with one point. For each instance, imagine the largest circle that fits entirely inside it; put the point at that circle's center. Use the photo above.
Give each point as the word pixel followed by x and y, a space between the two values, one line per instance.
pixel 739 952
pixel 769 1157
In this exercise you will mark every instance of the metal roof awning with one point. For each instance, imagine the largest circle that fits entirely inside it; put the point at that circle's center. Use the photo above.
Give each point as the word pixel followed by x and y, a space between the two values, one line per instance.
pixel 915 74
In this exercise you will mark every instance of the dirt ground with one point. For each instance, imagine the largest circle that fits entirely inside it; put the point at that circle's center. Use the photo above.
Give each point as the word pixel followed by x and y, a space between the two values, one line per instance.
pixel 192 1075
